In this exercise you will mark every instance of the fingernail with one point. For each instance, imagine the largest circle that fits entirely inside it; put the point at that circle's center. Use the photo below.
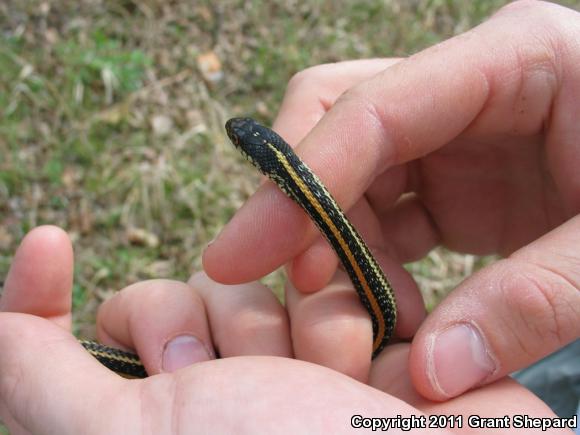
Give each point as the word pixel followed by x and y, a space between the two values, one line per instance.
pixel 183 351
pixel 459 360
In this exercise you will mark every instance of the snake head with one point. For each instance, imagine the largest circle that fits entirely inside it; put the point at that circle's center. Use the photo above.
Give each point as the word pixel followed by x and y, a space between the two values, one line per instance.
pixel 260 145
pixel 239 129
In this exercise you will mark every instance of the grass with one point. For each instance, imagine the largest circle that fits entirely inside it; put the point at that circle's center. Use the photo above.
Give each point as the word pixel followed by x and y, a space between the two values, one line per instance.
pixel 110 129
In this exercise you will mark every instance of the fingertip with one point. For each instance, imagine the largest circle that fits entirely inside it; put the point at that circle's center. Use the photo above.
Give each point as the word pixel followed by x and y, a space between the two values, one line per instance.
pixel 216 259
pixel 420 365
pixel 474 337
pixel 45 246
pixel 49 233
pixel 265 232
pixel 449 358
pixel 40 278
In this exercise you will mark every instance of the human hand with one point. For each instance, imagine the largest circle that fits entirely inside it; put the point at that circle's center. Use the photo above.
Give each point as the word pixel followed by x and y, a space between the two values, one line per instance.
pixel 49 384
pixel 480 132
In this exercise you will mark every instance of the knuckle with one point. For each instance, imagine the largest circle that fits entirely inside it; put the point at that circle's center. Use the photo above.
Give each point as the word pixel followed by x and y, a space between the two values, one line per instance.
pixel 542 57
pixel 537 313
pixel 383 125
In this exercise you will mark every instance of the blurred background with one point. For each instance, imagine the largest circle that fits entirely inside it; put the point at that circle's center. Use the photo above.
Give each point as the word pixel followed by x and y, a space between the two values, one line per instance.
pixel 112 113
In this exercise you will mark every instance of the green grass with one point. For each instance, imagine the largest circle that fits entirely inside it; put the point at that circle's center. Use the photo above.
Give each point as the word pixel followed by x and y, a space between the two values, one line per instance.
pixel 83 85
pixel 80 94
pixel 82 89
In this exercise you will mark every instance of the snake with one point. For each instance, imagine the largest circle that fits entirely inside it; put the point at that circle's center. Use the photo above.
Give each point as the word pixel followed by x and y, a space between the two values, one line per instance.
pixel 270 154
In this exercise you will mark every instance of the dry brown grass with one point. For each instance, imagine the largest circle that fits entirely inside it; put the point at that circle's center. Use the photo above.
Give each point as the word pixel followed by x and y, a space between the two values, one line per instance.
pixel 111 129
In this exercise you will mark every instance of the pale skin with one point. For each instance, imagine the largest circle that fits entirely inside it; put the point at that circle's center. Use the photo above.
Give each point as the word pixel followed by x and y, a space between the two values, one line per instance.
pixel 49 384
pixel 482 128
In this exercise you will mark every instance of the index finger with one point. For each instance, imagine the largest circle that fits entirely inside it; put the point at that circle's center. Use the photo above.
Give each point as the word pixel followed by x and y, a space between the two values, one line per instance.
pixel 404 113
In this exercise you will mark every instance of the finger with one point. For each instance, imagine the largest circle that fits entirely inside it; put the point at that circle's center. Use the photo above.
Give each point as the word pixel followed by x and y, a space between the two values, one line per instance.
pixel 65 371
pixel 502 319
pixel 245 319
pixel 40 278
pixel 411 309
pixel 332 328
pixel 164 321
pixel 406 112
pixel 312 92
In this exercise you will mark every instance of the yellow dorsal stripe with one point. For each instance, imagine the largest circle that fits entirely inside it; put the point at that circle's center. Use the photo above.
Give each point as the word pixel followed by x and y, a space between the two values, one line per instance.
pixel 336 233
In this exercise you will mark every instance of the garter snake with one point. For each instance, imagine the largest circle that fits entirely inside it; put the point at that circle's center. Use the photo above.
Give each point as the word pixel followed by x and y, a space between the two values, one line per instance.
pixel 272 156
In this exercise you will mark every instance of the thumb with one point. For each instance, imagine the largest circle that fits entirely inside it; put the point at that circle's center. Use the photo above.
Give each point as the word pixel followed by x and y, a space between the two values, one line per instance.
pixel 40 278
pixel 502 319
pixel 49 384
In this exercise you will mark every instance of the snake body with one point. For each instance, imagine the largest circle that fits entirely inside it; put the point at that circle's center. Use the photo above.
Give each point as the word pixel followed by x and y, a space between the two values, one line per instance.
pixel 272 156
pixel 125 363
